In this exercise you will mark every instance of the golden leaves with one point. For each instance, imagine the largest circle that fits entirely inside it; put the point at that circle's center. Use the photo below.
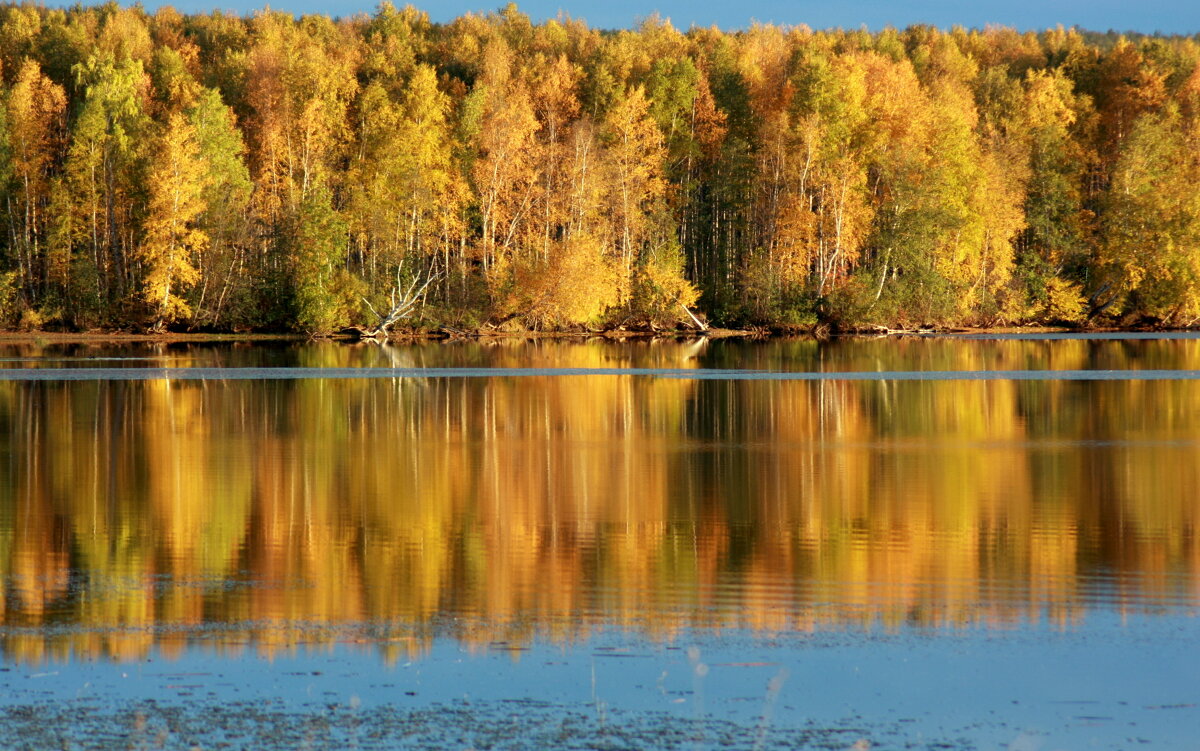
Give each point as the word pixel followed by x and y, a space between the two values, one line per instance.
pixel 172 241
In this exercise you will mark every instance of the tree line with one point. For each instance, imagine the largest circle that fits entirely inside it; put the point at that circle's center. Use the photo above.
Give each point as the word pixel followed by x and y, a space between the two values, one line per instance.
pixel 218 172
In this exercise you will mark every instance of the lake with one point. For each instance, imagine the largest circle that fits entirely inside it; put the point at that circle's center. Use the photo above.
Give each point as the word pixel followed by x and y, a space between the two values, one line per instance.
pixel 925 542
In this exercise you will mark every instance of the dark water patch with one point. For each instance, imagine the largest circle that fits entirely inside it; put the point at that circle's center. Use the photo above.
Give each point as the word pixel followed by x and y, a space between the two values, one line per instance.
pixel 504 724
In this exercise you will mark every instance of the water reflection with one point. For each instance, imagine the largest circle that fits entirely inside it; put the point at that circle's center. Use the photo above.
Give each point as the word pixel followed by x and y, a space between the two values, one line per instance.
pixel 266 514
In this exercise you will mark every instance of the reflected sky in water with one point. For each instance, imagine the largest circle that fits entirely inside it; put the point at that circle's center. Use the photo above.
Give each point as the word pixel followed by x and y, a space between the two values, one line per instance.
pixel 544 519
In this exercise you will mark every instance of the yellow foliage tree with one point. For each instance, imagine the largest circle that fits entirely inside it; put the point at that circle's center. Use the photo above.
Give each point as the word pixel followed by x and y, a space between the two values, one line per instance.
pixel 1151 257
pixel 176 183
pixel 402 187
pixel 34 107
pixel 577 286
pixel 300 80
pixel 504 173
pixel 635 157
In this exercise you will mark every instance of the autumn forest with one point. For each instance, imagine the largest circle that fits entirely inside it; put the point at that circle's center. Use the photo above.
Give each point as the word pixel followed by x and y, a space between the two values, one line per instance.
pixel 270 173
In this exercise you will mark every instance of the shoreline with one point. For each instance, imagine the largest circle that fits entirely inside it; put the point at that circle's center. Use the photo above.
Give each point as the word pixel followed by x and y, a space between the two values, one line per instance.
pixel 615 335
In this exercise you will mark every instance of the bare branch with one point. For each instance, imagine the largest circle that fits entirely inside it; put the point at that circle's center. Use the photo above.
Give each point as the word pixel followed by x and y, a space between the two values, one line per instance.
pixel 403 304
pixel 699 324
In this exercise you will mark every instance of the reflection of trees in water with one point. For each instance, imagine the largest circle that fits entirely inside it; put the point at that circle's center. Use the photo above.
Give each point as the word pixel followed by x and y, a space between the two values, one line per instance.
pixel 292 511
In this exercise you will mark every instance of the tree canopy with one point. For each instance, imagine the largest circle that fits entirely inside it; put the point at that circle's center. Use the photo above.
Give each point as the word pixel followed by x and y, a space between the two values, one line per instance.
pixel 276 172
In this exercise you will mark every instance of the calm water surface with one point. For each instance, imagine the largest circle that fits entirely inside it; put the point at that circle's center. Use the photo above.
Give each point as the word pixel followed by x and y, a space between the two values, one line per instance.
pixel 926 542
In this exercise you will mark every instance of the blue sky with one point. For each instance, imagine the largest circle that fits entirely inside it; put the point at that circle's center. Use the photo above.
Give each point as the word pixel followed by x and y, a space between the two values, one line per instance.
pixel 1170 16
